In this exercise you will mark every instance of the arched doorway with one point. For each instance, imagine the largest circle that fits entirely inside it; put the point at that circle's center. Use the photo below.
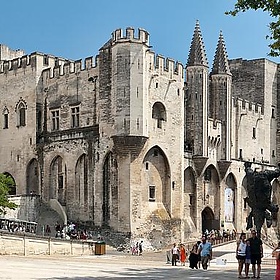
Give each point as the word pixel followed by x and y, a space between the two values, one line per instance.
pixel 207 218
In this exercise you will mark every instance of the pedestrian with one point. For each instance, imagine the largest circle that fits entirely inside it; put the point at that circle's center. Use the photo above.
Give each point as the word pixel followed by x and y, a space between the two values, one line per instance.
pixel 205 250
pixel 256 253
pixel 175 255
pixel 276 254
pixel 193 258
pixel 140 247
pixel 183 255
pixel 248 259
pixel 135 248
pixel 48 230
pixel 241 253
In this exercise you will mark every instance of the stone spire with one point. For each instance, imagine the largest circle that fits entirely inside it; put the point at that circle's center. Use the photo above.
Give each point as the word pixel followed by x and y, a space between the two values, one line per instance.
pixel 220 64
pixel 197 54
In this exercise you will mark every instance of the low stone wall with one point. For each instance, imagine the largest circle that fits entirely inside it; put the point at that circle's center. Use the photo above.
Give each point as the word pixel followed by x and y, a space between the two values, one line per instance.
pixel 17 244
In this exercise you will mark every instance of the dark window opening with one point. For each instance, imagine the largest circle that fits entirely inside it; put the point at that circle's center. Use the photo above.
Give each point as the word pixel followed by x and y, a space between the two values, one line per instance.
pixel 152 193
pixel 273 113
pixel 254 132
pixel 6 121
pixel 207 175
pixel 245 203
pixel 22 121
pixel 191 199
pixel 147 166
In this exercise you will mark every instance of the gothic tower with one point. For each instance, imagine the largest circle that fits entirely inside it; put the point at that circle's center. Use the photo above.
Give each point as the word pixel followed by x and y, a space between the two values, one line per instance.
pixel 196 99
pixel 220 97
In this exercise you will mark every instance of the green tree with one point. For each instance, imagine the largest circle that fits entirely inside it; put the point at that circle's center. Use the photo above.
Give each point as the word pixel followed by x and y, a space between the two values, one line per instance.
pixel 5 183
pixel 272 7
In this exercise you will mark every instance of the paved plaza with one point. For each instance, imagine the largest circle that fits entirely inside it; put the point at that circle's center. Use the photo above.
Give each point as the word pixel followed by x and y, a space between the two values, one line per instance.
pixel 115 265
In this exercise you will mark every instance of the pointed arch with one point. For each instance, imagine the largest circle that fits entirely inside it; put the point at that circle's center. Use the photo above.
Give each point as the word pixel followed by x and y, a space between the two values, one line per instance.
pixel 81 181
pixel 156 178
pixel 58 179
pixel 230 198
pixel 110 192
pixel 5 118
pixel 32 177
pixel 207 218
pixel 21 108
pixel 190 194
pixel 13 187
pixel 159 113
pixel 211 191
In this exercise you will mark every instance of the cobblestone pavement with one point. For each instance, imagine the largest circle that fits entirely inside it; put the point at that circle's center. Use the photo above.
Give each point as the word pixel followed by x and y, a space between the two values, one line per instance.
pixel 112 265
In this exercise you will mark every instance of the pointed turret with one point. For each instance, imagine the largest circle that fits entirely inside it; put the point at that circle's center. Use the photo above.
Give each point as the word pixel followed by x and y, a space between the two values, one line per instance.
pixel 220 64
pixel 220 98
pixel 196 103
pixel 197 54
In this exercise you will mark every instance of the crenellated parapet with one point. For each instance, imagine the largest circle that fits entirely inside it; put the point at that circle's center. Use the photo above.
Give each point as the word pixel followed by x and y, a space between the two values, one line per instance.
pixel 161 65
pixel 55 66
pixel 70 67
pixel 120 36
pixel 247 106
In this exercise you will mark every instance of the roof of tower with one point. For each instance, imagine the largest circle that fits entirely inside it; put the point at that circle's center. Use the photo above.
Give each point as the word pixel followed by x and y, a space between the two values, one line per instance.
pixel 197 54
pixel 220 64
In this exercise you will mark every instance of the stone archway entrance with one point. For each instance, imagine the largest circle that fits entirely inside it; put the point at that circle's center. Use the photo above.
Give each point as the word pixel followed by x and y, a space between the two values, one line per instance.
pixel 207 218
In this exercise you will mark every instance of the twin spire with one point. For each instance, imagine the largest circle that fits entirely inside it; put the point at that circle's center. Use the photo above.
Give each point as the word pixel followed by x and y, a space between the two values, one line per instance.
pixel 197 54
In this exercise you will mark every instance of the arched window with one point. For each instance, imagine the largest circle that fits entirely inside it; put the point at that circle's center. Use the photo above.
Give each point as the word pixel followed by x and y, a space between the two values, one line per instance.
pixel 5 118
pixel 21 112
pixel 159 113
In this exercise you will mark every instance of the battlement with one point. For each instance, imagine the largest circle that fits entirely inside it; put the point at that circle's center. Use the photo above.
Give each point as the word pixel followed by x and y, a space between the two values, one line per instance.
pixel 245 105
pixel 34 60
pixel 119 37
pixel 70 67
pixel 164 65
pixel 7 54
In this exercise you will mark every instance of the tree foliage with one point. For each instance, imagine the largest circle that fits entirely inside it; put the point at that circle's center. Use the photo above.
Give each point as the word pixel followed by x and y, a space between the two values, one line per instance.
pixel 5 183
pixel 272 7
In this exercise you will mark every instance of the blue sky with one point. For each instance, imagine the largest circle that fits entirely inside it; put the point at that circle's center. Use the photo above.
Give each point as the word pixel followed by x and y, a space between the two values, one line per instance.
pixel 77 29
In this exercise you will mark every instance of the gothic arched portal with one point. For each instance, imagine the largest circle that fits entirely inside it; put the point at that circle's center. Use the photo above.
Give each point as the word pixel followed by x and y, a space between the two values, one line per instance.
pixel 211 193
pixel 156 178
pixel 207 218
pixel 32 177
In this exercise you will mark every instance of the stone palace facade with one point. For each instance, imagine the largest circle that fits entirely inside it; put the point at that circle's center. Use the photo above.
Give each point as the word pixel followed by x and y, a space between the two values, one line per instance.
pixel 136 142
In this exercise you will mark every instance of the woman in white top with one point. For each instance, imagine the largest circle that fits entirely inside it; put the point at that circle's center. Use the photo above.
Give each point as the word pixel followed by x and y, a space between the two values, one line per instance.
pixel 241 253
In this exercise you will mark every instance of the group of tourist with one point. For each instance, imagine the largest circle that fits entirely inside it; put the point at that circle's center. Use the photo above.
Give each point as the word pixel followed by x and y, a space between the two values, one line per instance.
pixel 215 234
pixel 249 252
pixel 137 248
pixel 200 253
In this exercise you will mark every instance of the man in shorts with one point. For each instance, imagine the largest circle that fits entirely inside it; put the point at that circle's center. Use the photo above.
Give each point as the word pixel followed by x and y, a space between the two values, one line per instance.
pixel 256 253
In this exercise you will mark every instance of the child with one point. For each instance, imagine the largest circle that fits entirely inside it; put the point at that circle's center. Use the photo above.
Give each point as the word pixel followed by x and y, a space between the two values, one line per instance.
pixel 247 259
